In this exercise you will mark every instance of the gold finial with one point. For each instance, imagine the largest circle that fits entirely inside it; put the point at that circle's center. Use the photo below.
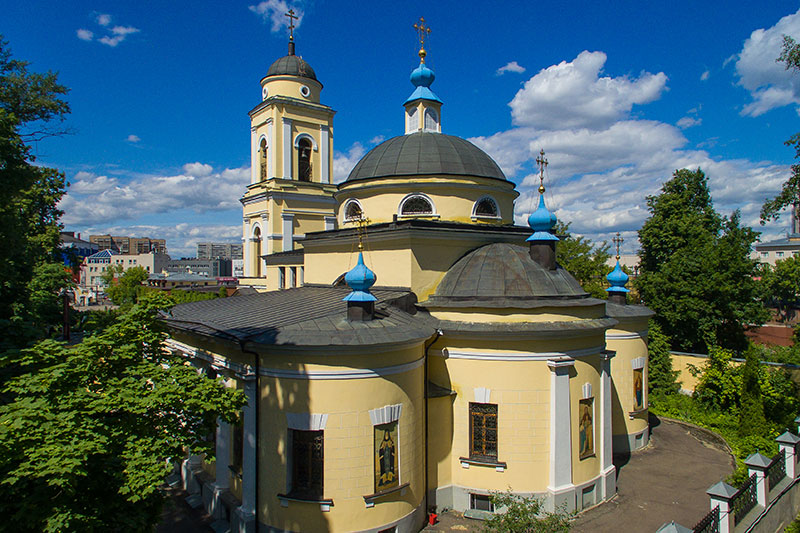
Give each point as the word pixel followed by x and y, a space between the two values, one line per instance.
pixel 291 16
pixel 361 227
pixel 542 162
pixel 617 240
pixel 422 31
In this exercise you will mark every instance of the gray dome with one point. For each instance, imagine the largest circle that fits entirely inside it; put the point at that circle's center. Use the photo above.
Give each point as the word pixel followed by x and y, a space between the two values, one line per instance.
pixel 503 275
pixel 426 154
pixel 292 65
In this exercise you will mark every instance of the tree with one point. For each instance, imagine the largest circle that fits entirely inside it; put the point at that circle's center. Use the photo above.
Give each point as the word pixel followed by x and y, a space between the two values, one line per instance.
pixel 751 413
pixel 662 379
pixel 524 514
pixel 583 259
pixel 781 283
pixel 30 106
pixel 124 289
pixel 86 437
pixel 790 190
pixel 696 272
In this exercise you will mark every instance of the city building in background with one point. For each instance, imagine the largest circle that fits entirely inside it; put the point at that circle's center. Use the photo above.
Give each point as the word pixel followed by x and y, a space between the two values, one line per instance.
pixel 213 250
pixel 129 245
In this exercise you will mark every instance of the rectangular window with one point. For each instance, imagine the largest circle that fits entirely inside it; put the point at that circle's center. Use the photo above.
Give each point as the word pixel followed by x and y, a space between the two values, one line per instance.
pixel 764 254
pixel 483 430
pixel 307 464
pixel 779 254
pixel 293 277
pixel 386 473
pixel 638 389
pixel 481 502
pixel 586 428
pixel 281 277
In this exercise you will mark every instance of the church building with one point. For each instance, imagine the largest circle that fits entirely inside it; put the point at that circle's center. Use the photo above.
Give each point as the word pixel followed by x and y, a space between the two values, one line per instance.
pixel 410 348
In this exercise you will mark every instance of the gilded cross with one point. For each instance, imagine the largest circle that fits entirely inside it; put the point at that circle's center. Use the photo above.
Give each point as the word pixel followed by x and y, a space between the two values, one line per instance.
pixel 617 240
pixel 542 163
pixel 422 31
pixel 291 16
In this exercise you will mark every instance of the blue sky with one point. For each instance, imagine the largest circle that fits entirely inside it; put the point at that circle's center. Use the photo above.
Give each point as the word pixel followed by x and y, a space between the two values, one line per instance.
pixel 618 96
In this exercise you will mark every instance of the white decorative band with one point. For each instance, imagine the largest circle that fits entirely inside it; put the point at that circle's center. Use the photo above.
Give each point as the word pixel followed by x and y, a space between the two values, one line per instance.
pixel 627 336
pixel 586 391
pixel 306 421
pixel 638 363
pixel 482 395
pixel 216 361
pixel 516 356
pixel 350 373
pixel 385 414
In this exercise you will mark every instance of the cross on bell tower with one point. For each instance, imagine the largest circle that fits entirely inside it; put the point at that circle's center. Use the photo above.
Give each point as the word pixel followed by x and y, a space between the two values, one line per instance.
pixel 292 18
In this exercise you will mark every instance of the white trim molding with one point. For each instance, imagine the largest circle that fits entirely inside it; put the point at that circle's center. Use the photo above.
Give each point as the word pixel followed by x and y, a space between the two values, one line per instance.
pixel 516 356
pixel 385 414
pixel 353 373
pixel 638 363
pixel 586 391
pixel 306 421
pixel 412 195
pixel 491 199
pixel 627 336
pixel 482 395
pixel 299 136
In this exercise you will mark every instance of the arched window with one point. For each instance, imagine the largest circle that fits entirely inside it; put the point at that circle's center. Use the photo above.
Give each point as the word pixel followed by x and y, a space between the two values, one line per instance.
pixel 431 120
pixel 412 123
pixel 262 159
pixel 353 210
pixel 304 159
pixel 257 252
pixel 416 204
pixel 485 207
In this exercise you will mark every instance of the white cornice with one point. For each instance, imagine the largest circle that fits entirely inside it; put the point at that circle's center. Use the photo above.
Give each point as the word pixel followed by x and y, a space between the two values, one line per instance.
pixel 515 356
pixel 351 373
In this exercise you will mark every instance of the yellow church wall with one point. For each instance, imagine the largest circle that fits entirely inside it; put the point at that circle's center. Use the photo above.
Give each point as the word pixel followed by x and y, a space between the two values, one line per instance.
pixel 622 401
pixel 497 345
pixel 542 314
pixel 391 264
pixel 289 86
pixel 348 444
pixel 586 370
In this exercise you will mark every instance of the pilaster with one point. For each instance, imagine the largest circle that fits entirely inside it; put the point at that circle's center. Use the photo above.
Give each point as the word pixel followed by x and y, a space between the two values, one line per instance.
pixel 560 486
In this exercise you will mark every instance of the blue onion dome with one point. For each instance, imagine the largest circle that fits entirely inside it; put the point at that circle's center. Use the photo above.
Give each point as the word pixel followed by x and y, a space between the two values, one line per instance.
pixel 360 279
pixel 617 278
pixel 542 222
pixel 422 76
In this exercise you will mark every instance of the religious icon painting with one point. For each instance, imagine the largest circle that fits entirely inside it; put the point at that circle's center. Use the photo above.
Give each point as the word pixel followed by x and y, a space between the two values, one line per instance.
pixel 586 428
pixel 638 389
pixel 386 472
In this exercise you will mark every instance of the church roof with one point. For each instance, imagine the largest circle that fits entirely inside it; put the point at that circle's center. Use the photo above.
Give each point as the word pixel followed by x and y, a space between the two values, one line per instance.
pixel 503 275
pixel 425 153
pixel 305 316
pixel 292 65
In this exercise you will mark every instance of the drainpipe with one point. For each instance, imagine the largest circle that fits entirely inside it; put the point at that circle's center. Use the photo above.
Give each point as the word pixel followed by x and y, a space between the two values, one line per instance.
pixel 425 395
pixel 257 367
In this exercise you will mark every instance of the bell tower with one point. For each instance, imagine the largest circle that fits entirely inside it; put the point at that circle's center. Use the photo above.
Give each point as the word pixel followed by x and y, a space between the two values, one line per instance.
pixel 291 168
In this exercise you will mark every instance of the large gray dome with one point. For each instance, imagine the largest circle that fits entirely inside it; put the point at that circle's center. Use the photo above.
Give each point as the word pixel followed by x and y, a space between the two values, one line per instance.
pixel 292 65
pixel 426 154
pixel 503 275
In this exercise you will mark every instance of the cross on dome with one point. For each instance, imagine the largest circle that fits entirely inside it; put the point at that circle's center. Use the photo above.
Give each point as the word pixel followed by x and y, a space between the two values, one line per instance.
pixel 292 17
pixel 422 31
pixel 542 163
pixel 617 240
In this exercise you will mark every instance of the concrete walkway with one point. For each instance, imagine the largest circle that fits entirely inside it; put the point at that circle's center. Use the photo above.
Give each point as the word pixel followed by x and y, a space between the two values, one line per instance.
pixel 666 481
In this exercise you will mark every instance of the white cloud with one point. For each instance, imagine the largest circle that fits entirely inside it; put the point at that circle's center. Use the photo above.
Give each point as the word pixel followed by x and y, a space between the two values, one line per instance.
pixel 93 199
pixel 118 34
pixel 103 20
pixel 688 122
pixel 343 162
pixel 274 12
pixel 769 83
pixel 705 75
pixel 377 139
pixel 573 95
pixel 133 138
pixel 85 35
pixel 513 66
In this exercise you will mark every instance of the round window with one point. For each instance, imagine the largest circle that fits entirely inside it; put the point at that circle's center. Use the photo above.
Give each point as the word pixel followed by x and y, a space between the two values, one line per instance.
pixel 305 91
pixel 264 93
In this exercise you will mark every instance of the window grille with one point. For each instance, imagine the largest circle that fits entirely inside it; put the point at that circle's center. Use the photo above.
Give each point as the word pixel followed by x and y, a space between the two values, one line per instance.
pixel 483 430
pixel 416 205
pixel 307 464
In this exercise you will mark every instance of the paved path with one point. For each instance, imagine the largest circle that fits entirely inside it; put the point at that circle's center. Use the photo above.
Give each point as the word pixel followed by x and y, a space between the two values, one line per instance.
pixel 664 482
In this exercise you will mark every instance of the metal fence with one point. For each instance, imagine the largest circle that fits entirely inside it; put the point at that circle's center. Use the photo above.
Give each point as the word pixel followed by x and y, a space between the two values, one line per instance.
pixel 709 523
pixel 776 470
pixel 744 499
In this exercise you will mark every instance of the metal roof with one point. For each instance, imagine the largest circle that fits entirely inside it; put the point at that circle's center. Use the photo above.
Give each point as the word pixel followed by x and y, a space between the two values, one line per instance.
pixel 305 316
pixel 292 65
pixel 425 154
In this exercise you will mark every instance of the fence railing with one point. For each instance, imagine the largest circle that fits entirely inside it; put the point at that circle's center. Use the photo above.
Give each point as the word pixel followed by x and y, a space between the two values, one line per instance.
pixel 776 470
pixel 744 499
pixel 709 523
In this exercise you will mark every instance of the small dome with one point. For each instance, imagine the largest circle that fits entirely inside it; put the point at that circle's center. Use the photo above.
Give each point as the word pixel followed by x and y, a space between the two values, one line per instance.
pixel 422 76
pixel 502 275
pixel 426 154
pixel 542 222
pixel 292 65
pixel 617 278
pixel 360 279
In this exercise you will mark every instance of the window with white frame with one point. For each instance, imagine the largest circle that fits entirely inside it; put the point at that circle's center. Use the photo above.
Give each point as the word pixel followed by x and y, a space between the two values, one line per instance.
pixel 353 210
pixel 486 207
pixel 416 205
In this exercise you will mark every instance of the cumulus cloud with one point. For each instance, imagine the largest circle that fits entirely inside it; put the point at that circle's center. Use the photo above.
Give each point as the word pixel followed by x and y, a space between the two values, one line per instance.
pixel 688 122
pixel 85 35
pixel 574 95
pixel 705 75
pixel 118 34
pixel 343 162
pixel 95 199
pixel 274 12
pixel 770 85
pixel 113 36
pixel 133 138
pixel 513 66
pixel 103 19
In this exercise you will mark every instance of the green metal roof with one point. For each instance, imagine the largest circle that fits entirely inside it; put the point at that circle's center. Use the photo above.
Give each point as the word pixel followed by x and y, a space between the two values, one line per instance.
pixel 293 66
pixel 426 154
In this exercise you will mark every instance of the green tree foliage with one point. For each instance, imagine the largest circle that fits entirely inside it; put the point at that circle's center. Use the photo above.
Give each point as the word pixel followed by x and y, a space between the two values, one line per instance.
pixel 696 272
pixel 662 379
pixel 86 437
pixel 31 105
pixel 790 191
pixel 583 259
pixel 780 284
pixel 124 286
pixel 720 382
pixel 523 514
pixel 46 303
pixel 751 412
